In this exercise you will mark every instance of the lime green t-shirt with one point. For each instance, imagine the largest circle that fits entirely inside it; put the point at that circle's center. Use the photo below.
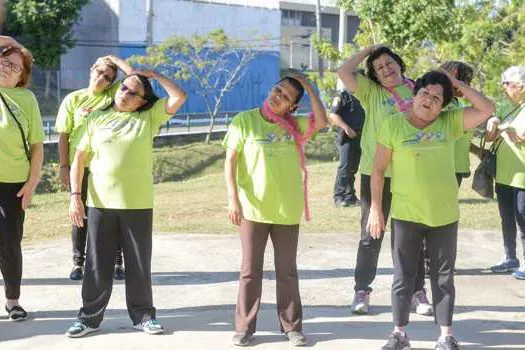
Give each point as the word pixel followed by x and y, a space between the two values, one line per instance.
pixel 269 177
pixel 462 146
pixel 378 104
pixel 120 145
pixel 424 186
pixel 14 166
pixel 74 109
pixel 510 160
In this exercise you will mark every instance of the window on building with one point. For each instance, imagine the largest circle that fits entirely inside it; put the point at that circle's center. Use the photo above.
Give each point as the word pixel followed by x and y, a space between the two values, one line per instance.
pixel 291 18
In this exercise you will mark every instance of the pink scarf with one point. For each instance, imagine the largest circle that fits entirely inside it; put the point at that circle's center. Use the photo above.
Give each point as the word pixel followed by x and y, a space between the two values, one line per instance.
pixel 401 104
pixel 289 123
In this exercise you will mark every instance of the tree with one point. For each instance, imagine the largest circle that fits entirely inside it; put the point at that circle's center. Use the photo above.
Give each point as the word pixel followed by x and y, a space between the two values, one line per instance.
pixel 214 60
pixel 45 27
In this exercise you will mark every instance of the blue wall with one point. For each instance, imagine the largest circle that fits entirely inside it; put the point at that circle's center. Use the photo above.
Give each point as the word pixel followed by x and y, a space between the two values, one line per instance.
pixel 262 73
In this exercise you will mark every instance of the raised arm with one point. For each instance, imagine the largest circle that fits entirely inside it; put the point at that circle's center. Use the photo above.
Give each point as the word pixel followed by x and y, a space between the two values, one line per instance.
pixel 120 63
pixel 317 105
pixel 348 70
pixel 6 41
pixel 176 96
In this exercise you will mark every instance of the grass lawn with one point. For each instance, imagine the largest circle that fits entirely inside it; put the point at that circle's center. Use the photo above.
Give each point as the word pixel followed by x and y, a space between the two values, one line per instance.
pixel 198 204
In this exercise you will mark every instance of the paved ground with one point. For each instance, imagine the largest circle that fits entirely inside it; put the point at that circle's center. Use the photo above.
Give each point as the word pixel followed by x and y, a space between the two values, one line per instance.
pixel 195 285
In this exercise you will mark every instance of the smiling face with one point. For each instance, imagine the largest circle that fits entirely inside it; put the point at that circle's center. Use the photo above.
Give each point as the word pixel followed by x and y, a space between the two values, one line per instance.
pixel 428 102
pixel 387 71
pixel 282 98
pixel 130 95
pixel 11 68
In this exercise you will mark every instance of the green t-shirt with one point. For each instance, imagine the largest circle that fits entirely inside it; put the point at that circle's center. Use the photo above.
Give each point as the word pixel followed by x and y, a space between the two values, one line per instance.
pixel 14 166
pixel 424 186
pixel 269 177
pixel 120 145
pixel 510 160
pixel 462 146
pixel 379 105
pixel 74 109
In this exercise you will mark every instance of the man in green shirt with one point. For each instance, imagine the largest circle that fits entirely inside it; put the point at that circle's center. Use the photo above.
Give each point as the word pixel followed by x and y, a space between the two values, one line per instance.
pixel 70 126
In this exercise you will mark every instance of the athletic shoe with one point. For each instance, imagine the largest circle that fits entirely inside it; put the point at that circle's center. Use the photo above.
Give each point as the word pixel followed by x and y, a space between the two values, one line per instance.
pixel 447 343
pixel 150 327
pixel 519 274
pixel 420 303
pixel 79 329
pixel 241 338
pixel 77 273
pixel 397 341
pixel 16 313
pixel 296 338
pixel 361 304
pixel 507 265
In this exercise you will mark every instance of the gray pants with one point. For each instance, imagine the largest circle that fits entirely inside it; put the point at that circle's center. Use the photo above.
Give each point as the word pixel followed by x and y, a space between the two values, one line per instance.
pixel 441 246
pixel 108 227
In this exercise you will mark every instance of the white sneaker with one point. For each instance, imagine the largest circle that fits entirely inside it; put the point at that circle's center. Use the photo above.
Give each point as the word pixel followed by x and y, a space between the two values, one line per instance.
pixel 420 303
pixel 361 304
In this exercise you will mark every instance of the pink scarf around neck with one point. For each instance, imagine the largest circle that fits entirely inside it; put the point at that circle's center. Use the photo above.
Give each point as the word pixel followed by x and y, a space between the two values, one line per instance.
pixel 401 104
pixel 289 123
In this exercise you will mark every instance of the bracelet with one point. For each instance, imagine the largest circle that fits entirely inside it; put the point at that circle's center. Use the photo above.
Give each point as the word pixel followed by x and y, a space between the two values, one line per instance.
pixel 75 194
pixel 63 166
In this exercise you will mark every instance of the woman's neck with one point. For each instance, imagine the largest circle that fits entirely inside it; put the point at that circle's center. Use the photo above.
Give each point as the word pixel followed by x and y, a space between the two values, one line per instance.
pixel 415 121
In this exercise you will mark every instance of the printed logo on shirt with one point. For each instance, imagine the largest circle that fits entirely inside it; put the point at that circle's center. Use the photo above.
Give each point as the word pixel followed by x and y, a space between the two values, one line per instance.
pixel 428 137
pixel 273 138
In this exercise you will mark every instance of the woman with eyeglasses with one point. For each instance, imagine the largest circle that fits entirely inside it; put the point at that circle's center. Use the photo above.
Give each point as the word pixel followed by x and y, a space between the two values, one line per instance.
pixel 267 197
pixel 119 143
pixel 70 125
pixel 21 156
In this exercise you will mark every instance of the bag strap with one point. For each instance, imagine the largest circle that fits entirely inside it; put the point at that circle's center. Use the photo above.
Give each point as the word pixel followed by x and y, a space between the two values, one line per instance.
pixel 24 140
pixel 495 145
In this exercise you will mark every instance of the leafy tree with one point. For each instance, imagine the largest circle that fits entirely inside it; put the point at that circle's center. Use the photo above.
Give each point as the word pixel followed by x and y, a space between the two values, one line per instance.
pixel 214 60
pixel 45 27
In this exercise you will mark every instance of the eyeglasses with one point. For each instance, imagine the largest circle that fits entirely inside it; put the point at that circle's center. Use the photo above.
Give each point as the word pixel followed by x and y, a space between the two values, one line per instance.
pixel 14 67
pixel 124 88
pixel 105 76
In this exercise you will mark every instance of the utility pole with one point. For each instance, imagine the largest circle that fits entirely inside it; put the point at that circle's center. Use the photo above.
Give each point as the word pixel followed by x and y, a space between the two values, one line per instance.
pixel 343 19
pixel 149 22
pixel 319 36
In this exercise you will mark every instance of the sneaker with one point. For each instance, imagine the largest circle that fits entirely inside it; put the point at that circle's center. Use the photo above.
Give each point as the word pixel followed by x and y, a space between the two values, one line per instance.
pixel 519 274
pixel 353 200
pixel 296 338
pixel 16 313
pixel 150 327
pixel 241 338
pixel 397 341
pixel 447 343
pixel 339 203
pixel 420 303
pixel 79 329
pixel 361 304
pixel 507 265
pixel 119 273
pixel 77 273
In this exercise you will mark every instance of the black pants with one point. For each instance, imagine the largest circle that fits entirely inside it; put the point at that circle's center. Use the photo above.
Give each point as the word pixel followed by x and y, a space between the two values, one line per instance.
pixel 79 234
pixel 441 245
pixel 106 228
pixel 511 203
pixel 349 156
pixel 369 248
pixel 11 231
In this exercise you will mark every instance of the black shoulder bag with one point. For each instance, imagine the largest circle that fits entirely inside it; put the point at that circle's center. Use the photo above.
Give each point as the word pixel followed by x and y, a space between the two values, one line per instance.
pixel 24 140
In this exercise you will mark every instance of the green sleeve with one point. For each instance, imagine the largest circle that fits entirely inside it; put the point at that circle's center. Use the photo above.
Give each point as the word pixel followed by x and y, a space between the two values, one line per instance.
pixel 234 137
pixel 65 116
pixel 384 137
pixel 365 88
pixel 158 114
pixel 456 122
pixel 84 144
pixel 36 128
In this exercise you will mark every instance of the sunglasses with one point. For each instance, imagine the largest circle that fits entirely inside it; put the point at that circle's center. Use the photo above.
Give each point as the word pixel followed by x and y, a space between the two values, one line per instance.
pixel 8 64
pixel 124 88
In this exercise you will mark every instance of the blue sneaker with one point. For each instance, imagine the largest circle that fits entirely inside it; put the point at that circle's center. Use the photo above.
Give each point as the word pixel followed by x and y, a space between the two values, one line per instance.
pixel 79 329
pixel 150 327
pixel 519 274
pixel 508 265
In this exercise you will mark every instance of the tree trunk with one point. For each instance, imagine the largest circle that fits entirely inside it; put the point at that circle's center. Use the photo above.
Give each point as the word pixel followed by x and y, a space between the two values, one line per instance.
pixel 48 84
pixel 210 129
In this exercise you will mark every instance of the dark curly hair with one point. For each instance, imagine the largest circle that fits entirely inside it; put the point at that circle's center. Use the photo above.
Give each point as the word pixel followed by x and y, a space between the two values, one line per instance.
pixel 436 78
pixel 383 50
pixel 464 72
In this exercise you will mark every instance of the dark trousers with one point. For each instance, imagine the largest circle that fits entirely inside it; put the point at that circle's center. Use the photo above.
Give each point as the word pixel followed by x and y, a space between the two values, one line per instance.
pixel 11 231
pixel 133 228
pixel 79 234
pixel 369 248
pixel 441 245
pixel 511 203
pixel 349 156
pixel 254 236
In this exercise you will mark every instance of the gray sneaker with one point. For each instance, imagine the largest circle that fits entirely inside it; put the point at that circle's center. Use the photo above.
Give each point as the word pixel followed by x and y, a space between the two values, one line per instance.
pixel 447 343
pixel 397 341
pixel 361 304
pixel 507 265
pixel 296 338
pixel 241 339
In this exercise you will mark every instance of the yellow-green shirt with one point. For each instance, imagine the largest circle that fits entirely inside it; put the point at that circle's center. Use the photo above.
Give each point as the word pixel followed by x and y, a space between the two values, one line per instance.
pixel 74 109
pixel 510 159
pixel 14 165
pixel 269 177
pixel 424 187
pixel 462 146
pixel 379 105
pixel 120 145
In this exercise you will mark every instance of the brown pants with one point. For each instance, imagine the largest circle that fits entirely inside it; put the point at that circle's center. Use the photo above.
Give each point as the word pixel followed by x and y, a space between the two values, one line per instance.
pixel 254 236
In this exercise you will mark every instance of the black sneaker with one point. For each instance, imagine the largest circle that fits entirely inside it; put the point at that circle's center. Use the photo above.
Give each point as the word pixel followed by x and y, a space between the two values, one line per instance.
pixel 16 313
pixel 241 338
pixel 397 341
pixel 77 273
pixel 339 203
pixel 353 200
pixel 119 273
pixel 447 343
